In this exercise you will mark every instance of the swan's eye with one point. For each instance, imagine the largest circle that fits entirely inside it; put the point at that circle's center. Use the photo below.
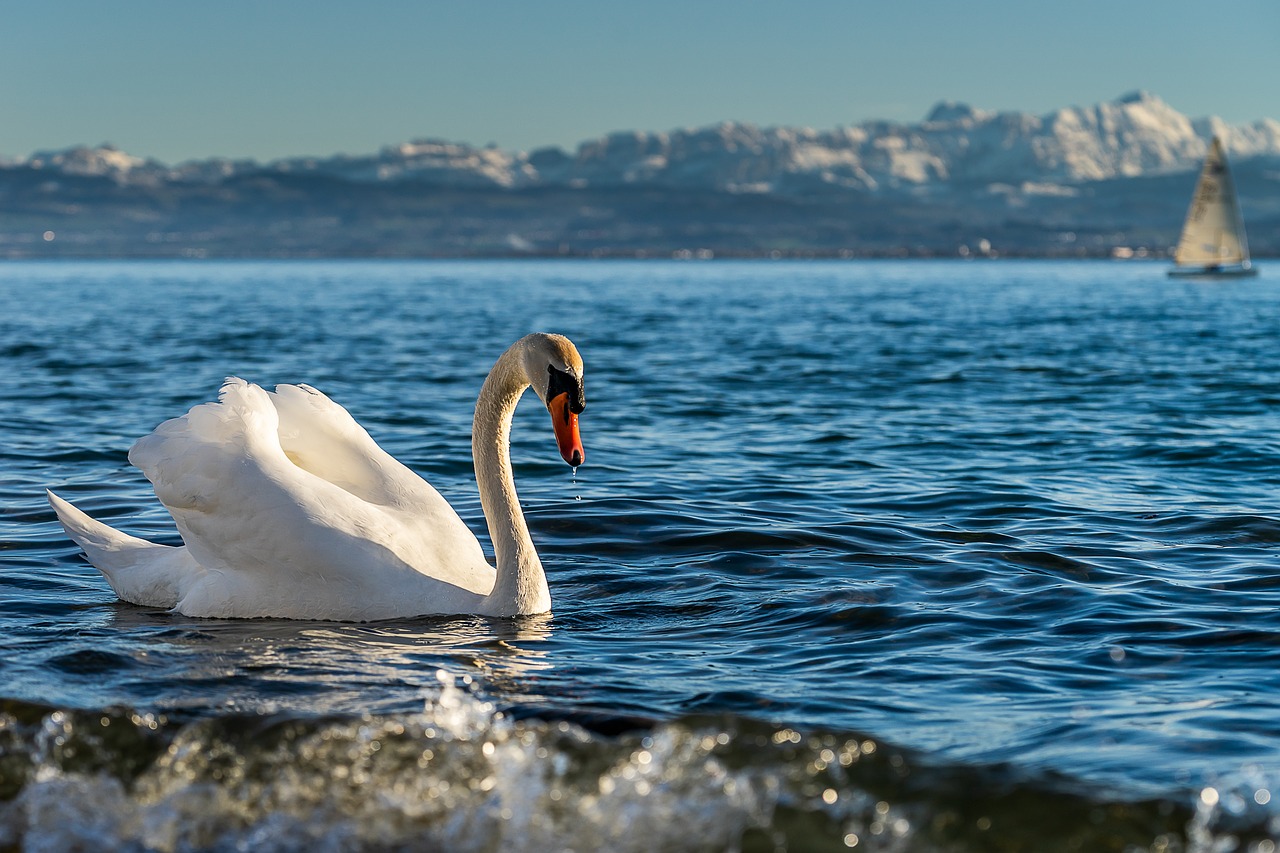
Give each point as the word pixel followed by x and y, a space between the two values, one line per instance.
pixel 563 382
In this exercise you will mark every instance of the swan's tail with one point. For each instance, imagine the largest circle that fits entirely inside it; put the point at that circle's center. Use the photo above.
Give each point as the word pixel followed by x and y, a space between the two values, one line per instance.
pixel 139 571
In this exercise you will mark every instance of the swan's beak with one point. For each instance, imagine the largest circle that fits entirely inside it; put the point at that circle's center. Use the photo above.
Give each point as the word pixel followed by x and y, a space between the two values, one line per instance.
pixel 565 422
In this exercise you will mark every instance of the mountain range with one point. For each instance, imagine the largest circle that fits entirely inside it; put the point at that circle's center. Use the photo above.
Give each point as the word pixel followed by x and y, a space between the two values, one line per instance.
pixel 1114 178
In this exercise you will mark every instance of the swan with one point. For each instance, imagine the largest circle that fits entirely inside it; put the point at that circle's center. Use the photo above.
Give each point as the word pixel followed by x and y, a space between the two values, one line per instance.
pixel 288 509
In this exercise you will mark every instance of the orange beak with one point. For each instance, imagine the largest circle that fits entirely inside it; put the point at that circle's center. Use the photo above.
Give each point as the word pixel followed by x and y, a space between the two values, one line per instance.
pixel 565 423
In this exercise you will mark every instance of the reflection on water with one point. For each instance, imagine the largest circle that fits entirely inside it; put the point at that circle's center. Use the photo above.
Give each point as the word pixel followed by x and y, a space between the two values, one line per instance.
pixel 264 665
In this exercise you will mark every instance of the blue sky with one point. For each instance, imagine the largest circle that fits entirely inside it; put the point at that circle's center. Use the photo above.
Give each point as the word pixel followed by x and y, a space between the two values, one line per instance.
pixel 275 78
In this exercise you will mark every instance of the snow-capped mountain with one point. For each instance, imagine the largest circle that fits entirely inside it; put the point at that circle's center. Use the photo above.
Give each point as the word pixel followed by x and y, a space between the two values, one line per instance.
pixel 1080 181
pixel 105 160
pixel 428 160
pixel 1136 135
pixel 956 145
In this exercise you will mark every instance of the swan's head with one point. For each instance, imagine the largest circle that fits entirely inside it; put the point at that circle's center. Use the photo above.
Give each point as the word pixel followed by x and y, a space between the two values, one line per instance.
pixel 554 369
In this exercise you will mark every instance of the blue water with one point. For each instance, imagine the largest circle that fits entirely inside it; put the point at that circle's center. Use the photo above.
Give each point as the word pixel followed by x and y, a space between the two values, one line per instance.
pixel 900 555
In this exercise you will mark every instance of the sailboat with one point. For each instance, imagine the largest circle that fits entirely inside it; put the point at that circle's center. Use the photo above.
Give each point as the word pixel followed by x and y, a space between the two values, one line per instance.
pixel 1213 241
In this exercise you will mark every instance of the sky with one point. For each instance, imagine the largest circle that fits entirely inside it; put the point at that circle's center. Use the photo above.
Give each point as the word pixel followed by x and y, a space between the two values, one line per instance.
pixel 278 78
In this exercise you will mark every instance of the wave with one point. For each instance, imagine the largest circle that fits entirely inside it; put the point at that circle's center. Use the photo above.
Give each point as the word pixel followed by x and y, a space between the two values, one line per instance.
pixel 466 775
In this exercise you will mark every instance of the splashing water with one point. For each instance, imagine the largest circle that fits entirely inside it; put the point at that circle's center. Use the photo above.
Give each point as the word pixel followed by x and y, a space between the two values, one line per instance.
pixel 463 775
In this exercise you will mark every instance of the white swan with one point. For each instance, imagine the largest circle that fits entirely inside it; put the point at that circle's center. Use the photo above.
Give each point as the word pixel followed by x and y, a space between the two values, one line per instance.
pixel 288 508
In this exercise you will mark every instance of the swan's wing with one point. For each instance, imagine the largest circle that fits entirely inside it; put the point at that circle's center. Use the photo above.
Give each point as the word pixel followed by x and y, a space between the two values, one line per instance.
pixel 271 527
pixel 320 436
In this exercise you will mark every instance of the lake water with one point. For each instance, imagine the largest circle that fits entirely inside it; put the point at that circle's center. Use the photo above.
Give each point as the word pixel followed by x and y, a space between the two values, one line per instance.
pixel 865 555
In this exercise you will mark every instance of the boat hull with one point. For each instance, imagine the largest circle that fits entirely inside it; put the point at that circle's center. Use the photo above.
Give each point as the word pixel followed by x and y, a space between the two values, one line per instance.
pixel 1213 272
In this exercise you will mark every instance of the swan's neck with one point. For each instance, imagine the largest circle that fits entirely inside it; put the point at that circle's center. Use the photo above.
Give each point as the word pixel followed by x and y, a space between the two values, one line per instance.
pixel 521 585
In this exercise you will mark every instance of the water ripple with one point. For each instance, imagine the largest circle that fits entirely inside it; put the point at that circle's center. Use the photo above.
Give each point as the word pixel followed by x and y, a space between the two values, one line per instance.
pixel 1017 519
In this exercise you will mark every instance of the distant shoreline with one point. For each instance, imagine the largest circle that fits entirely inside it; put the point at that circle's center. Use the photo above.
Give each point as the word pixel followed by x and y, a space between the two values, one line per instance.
pixel 691 256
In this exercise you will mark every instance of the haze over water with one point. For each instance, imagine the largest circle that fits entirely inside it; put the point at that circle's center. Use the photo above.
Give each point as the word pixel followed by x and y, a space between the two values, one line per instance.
pixel 901 555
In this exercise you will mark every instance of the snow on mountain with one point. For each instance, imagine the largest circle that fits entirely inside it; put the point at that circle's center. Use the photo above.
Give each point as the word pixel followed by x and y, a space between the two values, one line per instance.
pixel 428 161
pixel 729 156
pixel 104 160
pixel 1258 139
pixel 211 171
pixel 956 145
pixel 1136 135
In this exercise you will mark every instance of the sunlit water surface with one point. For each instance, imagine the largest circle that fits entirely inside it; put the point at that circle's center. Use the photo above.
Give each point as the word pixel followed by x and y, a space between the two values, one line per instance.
pixel 900 556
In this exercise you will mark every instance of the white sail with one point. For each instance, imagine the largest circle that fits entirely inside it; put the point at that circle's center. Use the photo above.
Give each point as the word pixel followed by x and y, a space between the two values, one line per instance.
pixel 1213 234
